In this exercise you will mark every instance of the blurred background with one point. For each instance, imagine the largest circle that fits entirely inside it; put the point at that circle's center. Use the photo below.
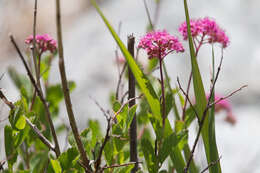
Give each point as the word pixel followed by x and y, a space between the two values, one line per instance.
pixel 90 60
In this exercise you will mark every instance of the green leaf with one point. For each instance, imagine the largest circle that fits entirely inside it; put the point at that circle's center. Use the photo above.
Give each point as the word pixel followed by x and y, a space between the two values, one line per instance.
pixel 150 158
pixel 55 95
pixel 130 116
pixel 56 166
pixel 39 161
pixel 21 136
pixel 163 171
pixel 152 64
pixel 20 123
pixel 109 152
pixel 66 159
pixel 168 102
pixel 21 81
pixel 94 126
pixel 190 116
pixel 140 77
pixel 126 169
pixel 170 143
pixel 10 150
pixel 177 160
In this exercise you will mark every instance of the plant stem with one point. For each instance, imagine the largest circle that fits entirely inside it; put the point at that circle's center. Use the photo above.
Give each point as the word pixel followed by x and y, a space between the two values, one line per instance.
pixel 163 95
pixel 65 88
pixel 131 94
pixel 189 83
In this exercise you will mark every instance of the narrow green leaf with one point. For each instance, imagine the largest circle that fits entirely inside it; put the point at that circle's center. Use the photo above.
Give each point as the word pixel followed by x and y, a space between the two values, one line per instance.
pixel 140 77
pixel 150 158
pixel 56 166
pixel 130 116
pixel 126 169
pixel 95 131
pixel 109 152
pixel 10 150
pixel 177 160
pixel 170 143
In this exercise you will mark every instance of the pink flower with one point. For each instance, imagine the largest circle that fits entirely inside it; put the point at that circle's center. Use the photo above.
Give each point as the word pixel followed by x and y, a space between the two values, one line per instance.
pixel 224 105
pixel 43 42
pixel 158 44
pixel 205 31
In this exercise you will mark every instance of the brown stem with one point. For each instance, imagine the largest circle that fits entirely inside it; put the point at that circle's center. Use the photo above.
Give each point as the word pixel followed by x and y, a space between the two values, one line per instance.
pixel 189 82
pixel 119 81
pixel 163 94
pixel 131 94
pixel 121 165
pixel 48 114
pixel 7 102
pixel 123 105
pixel 98 161
pixel 211 164
pixel 65 88
pixel 187 97
pixel 40 135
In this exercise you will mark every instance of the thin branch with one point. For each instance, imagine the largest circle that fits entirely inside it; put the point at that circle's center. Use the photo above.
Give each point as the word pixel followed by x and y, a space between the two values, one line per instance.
pixel 65 88
pixel 157 12
pixel 120 165
pixel 121 108
pixel 188 99
pixel 230 95
pixel 37 70
pixel 119 80
pixel 123 97
pixel 107 137
pixel 2 75
pixel 106 114
pixel 7 102
pixel 211 164
pixel 48 114
pixel 40 135
pixel 148 14
pixel 188 87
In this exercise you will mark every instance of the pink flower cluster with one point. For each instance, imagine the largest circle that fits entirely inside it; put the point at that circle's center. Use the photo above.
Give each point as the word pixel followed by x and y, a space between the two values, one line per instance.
pixel 224 105
pixel 158 44
pixel 205 29
pixel 43 42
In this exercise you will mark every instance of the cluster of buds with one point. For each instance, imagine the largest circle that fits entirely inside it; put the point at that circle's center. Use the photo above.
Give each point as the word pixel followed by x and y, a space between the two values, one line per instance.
pixel 158 44
pixel 44 43
pixel 205 30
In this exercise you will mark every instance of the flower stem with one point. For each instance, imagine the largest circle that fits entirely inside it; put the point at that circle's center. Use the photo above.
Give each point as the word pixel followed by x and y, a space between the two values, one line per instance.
pixel 163 95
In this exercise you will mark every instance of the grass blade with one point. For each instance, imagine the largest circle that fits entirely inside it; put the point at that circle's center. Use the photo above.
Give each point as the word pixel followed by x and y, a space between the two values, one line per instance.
pixel 140 77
